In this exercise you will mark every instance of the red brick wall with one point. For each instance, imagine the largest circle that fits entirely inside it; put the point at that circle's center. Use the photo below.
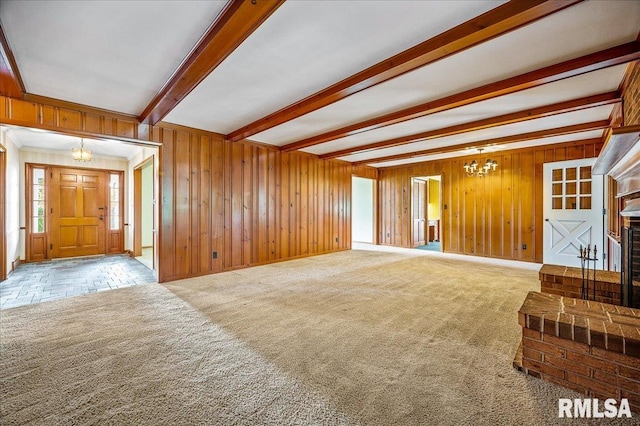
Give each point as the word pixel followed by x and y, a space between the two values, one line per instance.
pixel 567 281
pixel 590 347
pixel 589 370
pixel 631 97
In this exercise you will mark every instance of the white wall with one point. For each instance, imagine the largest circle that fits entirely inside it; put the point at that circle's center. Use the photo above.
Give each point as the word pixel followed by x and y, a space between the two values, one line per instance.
pixel 362 210
pixel 147 206
pixel 58 158
pixel 12 213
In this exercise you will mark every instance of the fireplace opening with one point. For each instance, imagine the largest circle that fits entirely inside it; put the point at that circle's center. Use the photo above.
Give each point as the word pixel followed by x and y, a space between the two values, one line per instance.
pixel 630 276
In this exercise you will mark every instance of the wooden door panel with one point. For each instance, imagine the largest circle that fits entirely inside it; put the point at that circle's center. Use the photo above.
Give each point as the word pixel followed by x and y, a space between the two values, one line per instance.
pixel 78 200
pixel 419 212
pixel 66 177
pixel 68 196
pixel 38 248
pixel 90 236
pixel 68 237
pixel 91 203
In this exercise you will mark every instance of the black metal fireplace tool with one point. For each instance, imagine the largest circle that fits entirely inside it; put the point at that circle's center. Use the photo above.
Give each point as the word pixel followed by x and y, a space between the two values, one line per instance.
pixel 586 261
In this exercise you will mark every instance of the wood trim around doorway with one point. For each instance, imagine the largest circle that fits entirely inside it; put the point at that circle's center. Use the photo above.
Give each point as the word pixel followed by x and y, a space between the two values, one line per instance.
pixel 37 246
pixel 137 205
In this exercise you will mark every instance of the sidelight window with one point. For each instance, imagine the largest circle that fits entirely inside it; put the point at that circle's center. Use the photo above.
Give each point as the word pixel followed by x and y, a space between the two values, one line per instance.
pixel 38 201
pixel 114 201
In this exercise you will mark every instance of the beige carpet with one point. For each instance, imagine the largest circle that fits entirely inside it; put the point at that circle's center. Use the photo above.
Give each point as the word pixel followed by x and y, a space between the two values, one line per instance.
pixel 359 337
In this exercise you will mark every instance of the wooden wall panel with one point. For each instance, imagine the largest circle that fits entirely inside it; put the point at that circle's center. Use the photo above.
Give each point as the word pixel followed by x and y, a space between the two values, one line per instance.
pixel 66 117
pixel 492 216
pixel 246 203
pixel 249 203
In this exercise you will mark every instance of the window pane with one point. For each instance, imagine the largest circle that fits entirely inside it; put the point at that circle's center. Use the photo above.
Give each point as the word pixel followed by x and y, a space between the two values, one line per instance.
pixel 571 188
pixel 38 176
pixel 571 173
pixel 38 192
pixel 38 195
pixel 585 172
pixel 585 203
pixel 557 175
pixel 38 208
pixel 557 203
pixel 114 223
pixel 570 203
pixel 557 189
pixel 585 188
pixel 114 202
pixel 37 225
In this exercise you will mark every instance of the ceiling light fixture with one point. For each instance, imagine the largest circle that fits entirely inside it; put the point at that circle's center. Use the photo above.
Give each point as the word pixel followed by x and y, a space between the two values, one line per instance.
pixel 81 154
pixel 474 169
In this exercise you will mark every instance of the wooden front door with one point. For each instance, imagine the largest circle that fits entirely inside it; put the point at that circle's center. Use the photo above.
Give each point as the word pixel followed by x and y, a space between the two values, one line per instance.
pixel 419 202
pixel 78 212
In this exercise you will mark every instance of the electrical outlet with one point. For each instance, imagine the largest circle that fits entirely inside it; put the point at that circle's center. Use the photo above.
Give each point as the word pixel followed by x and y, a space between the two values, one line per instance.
pixel 524 247
pixel 215 254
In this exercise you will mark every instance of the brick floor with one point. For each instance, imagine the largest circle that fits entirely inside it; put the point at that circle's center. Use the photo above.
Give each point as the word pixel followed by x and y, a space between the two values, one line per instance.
pixel 58 279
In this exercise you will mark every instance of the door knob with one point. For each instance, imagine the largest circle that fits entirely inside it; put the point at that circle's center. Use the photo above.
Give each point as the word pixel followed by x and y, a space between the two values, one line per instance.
pixel 101 217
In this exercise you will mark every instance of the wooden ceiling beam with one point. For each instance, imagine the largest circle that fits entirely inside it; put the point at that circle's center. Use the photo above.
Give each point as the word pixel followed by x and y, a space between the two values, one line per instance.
pixel 625 53
pixel 238 20
pixel 500 120
pixel 561 145
pixel 11 84
pixel 496 22
pixel 522 137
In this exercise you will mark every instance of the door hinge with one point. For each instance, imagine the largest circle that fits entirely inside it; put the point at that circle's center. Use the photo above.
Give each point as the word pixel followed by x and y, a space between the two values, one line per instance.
pixel 604 212
pixel 51 210
pixel 51 174
pixel 604 256
pixel 50 246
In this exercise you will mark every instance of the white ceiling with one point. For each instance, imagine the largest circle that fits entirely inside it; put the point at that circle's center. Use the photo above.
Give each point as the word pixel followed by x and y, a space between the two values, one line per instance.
pixel 106 55
pixel 43 140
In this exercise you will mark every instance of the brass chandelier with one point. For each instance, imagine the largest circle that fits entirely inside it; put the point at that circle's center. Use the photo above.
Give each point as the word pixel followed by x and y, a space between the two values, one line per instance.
pixel 475 169
pixel 81 154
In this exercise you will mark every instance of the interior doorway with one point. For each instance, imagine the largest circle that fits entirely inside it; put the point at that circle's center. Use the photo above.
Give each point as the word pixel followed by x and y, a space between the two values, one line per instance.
pixel 363 217
pixel 426 212
pixel 144 213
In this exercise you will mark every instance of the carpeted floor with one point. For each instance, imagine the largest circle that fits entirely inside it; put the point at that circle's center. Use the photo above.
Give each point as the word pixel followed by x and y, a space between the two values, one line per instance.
pixel 358 337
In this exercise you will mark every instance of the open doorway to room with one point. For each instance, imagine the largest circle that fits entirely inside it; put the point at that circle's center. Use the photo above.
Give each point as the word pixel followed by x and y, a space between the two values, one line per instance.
pixel 363 216
pixel 144 213
pixel 426 213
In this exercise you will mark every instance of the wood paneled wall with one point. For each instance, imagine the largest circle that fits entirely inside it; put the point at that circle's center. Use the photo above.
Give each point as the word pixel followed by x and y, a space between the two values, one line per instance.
pixel 248 203
pixel 492 216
